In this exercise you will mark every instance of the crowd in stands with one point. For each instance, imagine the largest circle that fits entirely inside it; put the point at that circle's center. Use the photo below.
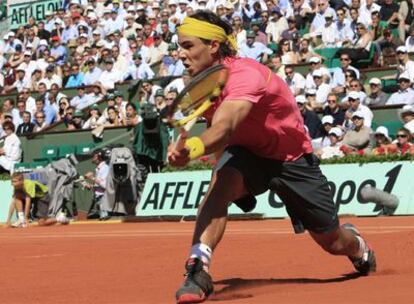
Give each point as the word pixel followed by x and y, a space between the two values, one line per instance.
pixel 93 46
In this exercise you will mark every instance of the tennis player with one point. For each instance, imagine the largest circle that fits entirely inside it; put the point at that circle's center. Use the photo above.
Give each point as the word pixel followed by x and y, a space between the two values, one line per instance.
pixel 257 127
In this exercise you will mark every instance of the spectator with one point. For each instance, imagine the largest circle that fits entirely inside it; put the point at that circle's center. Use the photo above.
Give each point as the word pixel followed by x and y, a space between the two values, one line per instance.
pixel 403 144
pixel 93 73
pixel 51 77
pixel 76 78
pixel 109 76
pixel 148 91
pixel 49 113
pixel 316 64
pixel 11 152
pixel 63 106
pixel 357 106
pixel 362 45
pixel 324 141
pixel 329 32
pixel 277 66
pixel 176 67
pixel 288 56
pixel 319 19
pixel 18 113
pixel 338 82
pixel 291 33
pixel 343 27
pixel 389 13
pixel 382 144
pixel 253 49
pixel 158 50
pixel 93 118
pixel 139 70
pixel 39 121
pixel 334 148
pixel 81 100
pixel 405 95
pixel 354 86
pixel 113 118
pixel 405 65
pixel 121 64
pixel 409 42
pixel 305 51
pixel 357 140
pixel 333 109
pixel 77 121
pixel 20 83
pixel 376 97
pixel 131 118
pixel 388 46
pixel 276 26
pixel 58 51
pixel 407 116
pixel 322 90
pixel 295 81
pixel 311 119
pixel 26 127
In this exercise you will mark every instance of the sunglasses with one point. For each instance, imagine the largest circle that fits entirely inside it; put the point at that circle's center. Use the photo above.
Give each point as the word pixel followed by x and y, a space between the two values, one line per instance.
pixel 399 53
pixel 401 136
pixel 354 86
pixel 344 59
pixel 40 117
pixel 331 101
pixel 352 100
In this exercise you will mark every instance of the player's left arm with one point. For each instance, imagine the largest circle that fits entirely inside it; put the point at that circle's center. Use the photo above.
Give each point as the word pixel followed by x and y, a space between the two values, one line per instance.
pixel 225 121
pixel 27 207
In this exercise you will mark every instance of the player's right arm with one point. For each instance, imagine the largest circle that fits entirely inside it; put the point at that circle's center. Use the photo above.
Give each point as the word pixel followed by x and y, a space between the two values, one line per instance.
pixel 27 207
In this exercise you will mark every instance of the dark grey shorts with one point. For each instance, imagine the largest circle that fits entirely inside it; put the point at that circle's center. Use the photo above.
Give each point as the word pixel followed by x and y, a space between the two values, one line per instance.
pixel 41 207
pixel 299 184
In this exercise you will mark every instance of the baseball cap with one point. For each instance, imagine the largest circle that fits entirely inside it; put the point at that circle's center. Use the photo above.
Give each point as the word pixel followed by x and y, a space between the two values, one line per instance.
pixel 75 15
pixel 27 53
pixel 314 59
pixel 83 35
pixel 250 34
pixel 317 73
pixel 407 109
pixel 8 114
pixel 310 92
pixel 382 130
pixel 402 49
pixel 353 95
pixel 328 14
pixel 78 113
pixel 404 76
pixel 301 99
pixel 55 38
pixel 48 13
pixel 159 92
pixel 327 119
pixel 375 80
pixel 336 131
pixel 136 56
pixel 43 42
pixel 358 114
pixel 96 32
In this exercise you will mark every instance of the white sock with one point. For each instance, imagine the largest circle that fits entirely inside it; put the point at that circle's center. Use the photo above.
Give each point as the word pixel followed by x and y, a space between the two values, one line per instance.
pixel 363 248
pixel 202 252
pixel 20 215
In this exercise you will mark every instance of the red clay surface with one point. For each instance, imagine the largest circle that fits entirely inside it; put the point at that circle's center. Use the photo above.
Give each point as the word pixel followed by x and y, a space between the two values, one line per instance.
pixel 257 262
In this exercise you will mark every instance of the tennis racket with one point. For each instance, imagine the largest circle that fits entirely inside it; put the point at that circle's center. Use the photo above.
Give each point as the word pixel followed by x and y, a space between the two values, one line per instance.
pixel 196 98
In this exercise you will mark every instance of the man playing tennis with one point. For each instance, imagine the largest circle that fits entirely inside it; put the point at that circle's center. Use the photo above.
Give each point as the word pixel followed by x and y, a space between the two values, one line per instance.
pixel 257 128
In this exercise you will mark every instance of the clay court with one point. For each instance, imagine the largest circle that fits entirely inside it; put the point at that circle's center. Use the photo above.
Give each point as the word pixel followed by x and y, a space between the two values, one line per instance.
pixel 257 262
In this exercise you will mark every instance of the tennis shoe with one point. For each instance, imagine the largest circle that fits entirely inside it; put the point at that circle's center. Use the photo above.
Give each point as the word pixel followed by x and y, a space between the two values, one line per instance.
pixel 367 263
pixel 197 286
pixel 19 224
pixel 62 219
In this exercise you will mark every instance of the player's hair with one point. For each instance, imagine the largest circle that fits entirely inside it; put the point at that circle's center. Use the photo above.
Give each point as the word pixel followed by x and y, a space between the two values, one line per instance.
pixel 17 175
pixel 205 15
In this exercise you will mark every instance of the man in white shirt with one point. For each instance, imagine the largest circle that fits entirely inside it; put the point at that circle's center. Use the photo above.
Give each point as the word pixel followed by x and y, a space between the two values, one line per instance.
pixel 109 76
pixel 28 65
pixel 139 70
pixel 330 34
pixel 295 81
pixel 405 94
pixel 253 49
pixel 276 25
pixel 11 153
pixel 51 77
pixel 343 26
pixel 322 90
pixel 339 75
pixel 93 73
pixel 158 50
pixel 356 105
pixel 319 19
pixel 316 64
pixel 405 64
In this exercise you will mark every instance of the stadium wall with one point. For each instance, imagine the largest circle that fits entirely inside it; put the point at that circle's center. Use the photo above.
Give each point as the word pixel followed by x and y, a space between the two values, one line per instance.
pixel 178 193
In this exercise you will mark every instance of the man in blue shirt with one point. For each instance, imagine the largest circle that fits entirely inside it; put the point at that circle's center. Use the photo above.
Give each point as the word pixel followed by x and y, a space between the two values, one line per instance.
pixel 176 67
pixel 76 79
pixel 50 112
pixel 81 100
pixel 58 51
pixel 254 50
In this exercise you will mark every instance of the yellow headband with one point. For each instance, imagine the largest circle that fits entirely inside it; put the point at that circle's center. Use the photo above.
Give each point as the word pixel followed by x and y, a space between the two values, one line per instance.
pixel 205 30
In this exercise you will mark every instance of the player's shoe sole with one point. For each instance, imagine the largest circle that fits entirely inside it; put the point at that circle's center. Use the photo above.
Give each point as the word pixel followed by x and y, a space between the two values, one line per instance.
pixel 197 285
pixel 368 263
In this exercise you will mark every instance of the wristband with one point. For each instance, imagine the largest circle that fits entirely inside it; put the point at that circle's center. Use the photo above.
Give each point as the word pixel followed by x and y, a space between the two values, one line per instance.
pixel 195 147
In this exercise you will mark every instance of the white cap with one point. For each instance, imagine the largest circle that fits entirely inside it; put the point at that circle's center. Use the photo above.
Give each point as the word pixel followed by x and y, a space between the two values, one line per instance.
pixel 131 9
pixel 182 2
pixel 407 109
pixel 155 5
pixel 140 8
pixel 11 34
pixel 129 16
pixel 382 130
pixel 317 73
pixel 96 32
pixel 361 21
pixel 100 43
pixel 83 35
pixel 327 119
pixel 29 46
pixel 375 80
pixel 402 49
pixel 58 21
pixel 92 16
pixel 328 14
pixel 21 67
pixel 48 13
pixel 310 92
pixel 301 99
pixel 43 42
pixel 27 53
pixel 359 114
pixel 336 131
pixel 315 59
pixel 404 76
pixel 172 2
pixel 107 10
pixel 354 95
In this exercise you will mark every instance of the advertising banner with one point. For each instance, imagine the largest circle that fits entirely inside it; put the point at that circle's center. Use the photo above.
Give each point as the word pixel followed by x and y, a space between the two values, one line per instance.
pixel 20 11
pixel 180 193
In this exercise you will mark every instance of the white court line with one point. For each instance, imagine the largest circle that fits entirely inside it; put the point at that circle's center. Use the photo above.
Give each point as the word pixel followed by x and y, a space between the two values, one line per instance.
pixel 162 233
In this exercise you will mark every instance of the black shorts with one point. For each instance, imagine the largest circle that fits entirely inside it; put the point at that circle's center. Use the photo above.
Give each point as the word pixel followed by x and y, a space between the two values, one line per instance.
pixel 40 206
pixel 299 184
